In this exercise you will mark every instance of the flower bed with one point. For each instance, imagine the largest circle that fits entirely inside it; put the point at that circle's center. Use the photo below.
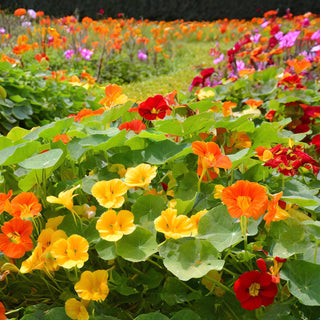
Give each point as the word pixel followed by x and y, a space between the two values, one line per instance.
pixel 198 205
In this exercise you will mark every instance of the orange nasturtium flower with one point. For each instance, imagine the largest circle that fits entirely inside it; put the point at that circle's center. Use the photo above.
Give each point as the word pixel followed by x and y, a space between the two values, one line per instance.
pixel 4 201
pixel 93 285
pixel 15 239
pixel 140 176
pixel 71 252
pixel 110 193
pixel 195 220
pixel 113 96
pixel 65 198
pixel 63 137
pixel 210 156
pixel 113 226
pixel 25 205
pixel 174 226
pixel 76 310
pixel 2 312
pixel 275 213
pixel 20 12
pixel 245 198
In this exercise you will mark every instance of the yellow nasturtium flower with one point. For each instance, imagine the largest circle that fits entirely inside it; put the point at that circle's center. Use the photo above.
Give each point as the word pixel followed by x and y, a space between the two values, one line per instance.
pixel 71 252
pixel 93 285
pixel 113 226
pixel 65 198
pixel 195 220
pixel 109 193
pixel 140 176
pixel 174 226
pixel 76 310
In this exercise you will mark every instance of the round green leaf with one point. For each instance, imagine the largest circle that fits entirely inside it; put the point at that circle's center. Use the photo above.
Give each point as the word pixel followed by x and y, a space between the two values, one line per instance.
pixel 3 93
pixel 43 160
pixel 106 249
pixel 137 246
pixel 190 258
pixel 146 209
pixel 303 281
pixel 152 316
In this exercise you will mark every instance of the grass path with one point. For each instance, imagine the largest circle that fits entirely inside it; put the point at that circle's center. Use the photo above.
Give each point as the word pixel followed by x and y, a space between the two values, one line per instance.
pixel 183 71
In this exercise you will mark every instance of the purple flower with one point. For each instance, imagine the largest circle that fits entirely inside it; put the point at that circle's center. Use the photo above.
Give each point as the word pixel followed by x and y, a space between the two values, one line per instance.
pixel 240 65
pixel 86 53
pixel 2 30
pixel 305 22
pixel 256 37
pixel 219 59
pixel 316 35
pixel 264 24
pixel 142 55
pixel 32 13
pixel 289 39
pixel 26 24
pixel 68 54
pixel 279 35
pixel 315 49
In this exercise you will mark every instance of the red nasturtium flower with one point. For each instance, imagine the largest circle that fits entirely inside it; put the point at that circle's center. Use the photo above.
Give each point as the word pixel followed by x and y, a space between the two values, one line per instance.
pixel 2 312
pixel 210 156
pixel 154 107
pixel 20 12
pixel 41 56
pixel 15 239
pixel 135 125
pixel 255 289
pixel 245 198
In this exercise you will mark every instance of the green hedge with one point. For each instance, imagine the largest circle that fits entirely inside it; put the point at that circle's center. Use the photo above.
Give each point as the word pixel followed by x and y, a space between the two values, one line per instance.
pixel 167 10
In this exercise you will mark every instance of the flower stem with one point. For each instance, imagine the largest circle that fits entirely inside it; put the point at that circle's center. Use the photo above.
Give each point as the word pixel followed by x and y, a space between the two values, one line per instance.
pixel 244 223
pixel 219 284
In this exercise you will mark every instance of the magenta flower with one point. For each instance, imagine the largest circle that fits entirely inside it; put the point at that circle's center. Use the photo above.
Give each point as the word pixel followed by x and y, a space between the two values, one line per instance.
pixel 289 39
pixel 316 35
pixel 219 59
pixel 68 54
pixel 86 53
pixel 142 55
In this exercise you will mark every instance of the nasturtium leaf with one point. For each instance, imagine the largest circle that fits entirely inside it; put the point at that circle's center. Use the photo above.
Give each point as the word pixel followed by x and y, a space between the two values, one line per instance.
pixel 22 112
pixel 5 143
pixel 203 105
pixel 43 160
pixel 137 143
pixel 115 113
pixel 186 314
pixel 185 206
pixel 239 124
pixel 174 291
pixel 17 98
pixel 170 126
pixel 18 153
pixel 303 281
pixel 152 316
pixel 190 258
pixel 187 186
pixel 298 193
pixel 239 157
pixel 106 249
pixel 290 238
pixel 49 131
pixel 146 209
pixel 312 227
pixel 17 133
pixel 277 311
pixel 56 313
pixel 34 177
pixel 137 246
pixel 3 93
pixel 152 134
pixel 75 149
pixel 90 232
pixel 223 231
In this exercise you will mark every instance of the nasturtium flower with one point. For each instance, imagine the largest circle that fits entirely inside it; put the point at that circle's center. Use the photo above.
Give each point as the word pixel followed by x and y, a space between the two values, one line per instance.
pixel 65 198
pixel 2 312
pixel 76 310
pixel 4 201
pixel 15 240
pixel 70 252
pixel 173 225
pixel 245 198
pixel 255 289
pixel 53 223
pixel 20 12
pixel 35 262
pixel 113 96
pixel 93 285
pixel 140 176
pixel 135 125
pixel 25 205
pixel 195 220
pixel 275 213
pixel 154 107
pixel 110 193
pixel 113 226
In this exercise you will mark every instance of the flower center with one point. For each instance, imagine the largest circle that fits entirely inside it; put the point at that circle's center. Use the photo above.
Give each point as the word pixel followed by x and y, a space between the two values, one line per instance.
pixel 14 237
pixel 244 202
pixel 154 111
pixel 254 289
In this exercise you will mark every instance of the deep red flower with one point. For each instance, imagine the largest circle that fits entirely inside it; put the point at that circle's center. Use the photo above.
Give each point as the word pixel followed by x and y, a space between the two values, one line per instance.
pixel 316 141
pixel 153 108
pixel 255 289
pixel 135 125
